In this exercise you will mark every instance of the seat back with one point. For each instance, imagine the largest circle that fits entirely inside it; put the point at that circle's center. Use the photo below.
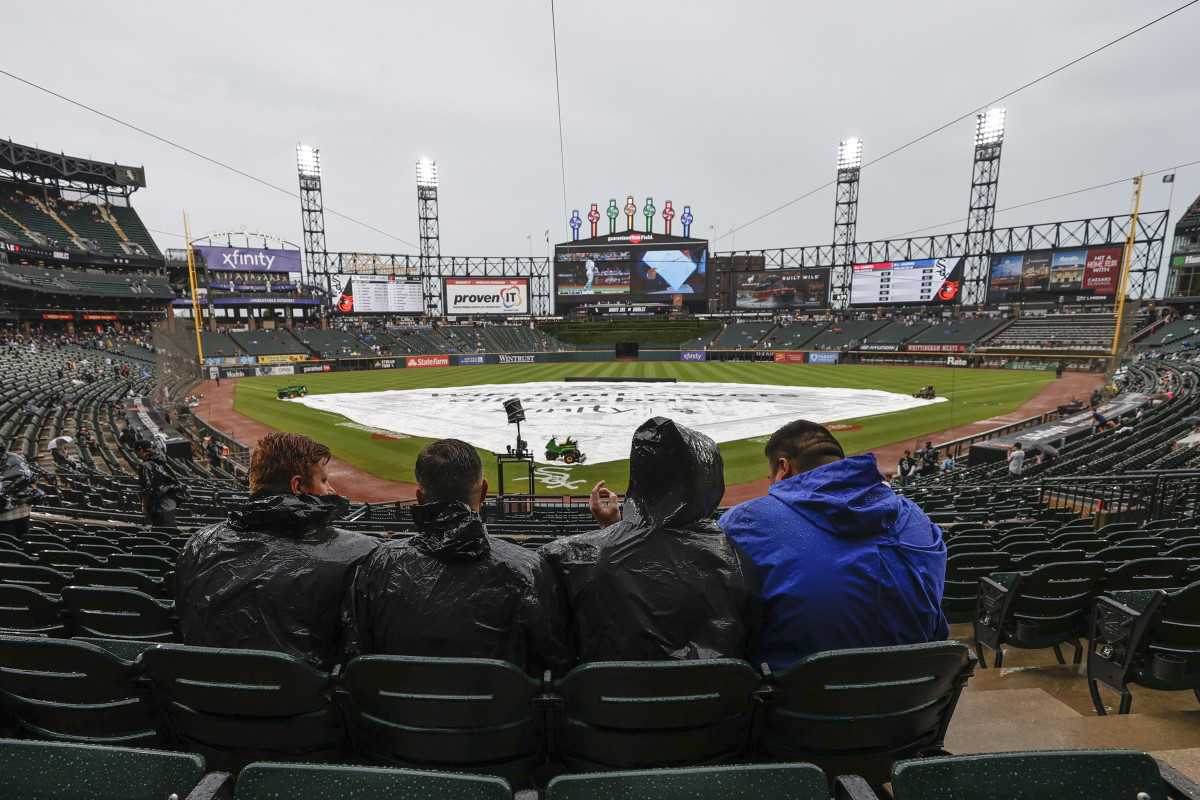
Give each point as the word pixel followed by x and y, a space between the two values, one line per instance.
pixel 44 579
pixel 110 613
pixel 1119 554
pixel 962 581
pixel 237 706
pixel 42 770
pixel 857 711
pixel 1147 573
pixel 627 715
pixel 151 565
pixel 1040 558
pixel 67 690
pixel 25 611
pixel 266 781
pixel 120 579
pixel 1002 776
pixel 1173 633
pixel 1056 599
pixel 475 715
pixel 747 782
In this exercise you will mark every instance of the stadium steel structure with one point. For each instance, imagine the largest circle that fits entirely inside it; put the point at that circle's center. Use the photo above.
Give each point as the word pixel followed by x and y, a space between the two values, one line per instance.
pixel 985 180
pixel 1095 232
pixel 312 210
pixel 427 218
pixel 29 164
pixel 845 217
pixel 433 271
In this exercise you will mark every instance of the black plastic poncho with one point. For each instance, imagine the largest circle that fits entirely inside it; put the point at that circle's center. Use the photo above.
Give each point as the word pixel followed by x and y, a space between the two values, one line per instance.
pixel 453 591
pixel 271 577
pixel 16 483
pixel 160 487
pixel 665 582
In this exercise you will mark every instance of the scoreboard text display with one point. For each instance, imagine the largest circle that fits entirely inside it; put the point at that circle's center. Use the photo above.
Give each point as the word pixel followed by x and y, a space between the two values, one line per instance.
pixel 931 280
pixel 377 294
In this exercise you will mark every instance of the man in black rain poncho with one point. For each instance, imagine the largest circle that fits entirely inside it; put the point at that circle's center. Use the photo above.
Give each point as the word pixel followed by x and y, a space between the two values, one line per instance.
pixel 451 590
pixel 272 576
pixel 159 486
pixel 664 582
pixel 17 493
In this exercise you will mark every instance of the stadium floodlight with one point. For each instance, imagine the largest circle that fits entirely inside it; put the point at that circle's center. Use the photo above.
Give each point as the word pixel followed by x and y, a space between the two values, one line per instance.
pixel 308 159
pixel 427 173
pixel 849 154
pixel 989 127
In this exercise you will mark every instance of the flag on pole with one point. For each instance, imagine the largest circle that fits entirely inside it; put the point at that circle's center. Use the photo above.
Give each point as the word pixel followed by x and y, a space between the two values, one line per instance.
pixel 547 236
pixel 1137 180
pixel 1169 178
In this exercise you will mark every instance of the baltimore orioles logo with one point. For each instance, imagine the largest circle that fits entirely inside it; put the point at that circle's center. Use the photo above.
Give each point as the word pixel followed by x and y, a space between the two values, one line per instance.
pixel 949 290
pixel 345 302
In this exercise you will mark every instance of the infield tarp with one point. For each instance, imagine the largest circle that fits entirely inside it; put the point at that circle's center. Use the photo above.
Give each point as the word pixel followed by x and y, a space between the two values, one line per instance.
pixel 602 416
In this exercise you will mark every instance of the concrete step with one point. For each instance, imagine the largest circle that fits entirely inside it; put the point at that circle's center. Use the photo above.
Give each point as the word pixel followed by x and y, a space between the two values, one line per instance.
pixel 978 710
pixel 1186 761
pixel 1150 732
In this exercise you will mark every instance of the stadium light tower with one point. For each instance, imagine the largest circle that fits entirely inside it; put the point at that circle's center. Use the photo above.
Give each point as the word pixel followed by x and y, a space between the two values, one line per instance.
pixel 845 219
pixel 985 180
pixel 431 246
pixel 312 211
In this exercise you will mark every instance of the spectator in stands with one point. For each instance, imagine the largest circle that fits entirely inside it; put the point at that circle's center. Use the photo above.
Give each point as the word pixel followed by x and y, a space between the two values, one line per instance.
pixel 159 487
pixel 160 441
pixel 905 468
pixel 929 459
pixel 948 464
pixel 213 450
pixel 1016 460
pixel 273 575
pixel 664 582
pixel 452 590
pixel 844 561
pixel 17 492
pixel 126 437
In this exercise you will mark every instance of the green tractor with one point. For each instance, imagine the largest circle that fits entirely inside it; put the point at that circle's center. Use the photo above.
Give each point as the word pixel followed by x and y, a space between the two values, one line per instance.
pixel 567 450
pixel 292 390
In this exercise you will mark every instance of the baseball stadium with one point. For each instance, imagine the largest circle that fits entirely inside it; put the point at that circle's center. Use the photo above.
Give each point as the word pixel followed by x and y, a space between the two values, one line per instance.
pixel 287 517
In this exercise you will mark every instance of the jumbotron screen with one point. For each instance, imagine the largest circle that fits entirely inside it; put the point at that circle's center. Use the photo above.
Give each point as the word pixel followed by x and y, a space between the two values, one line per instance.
pixel 377 294
pixel 1086 272
pixel 642 270
pixel 928 281
pixel 783 288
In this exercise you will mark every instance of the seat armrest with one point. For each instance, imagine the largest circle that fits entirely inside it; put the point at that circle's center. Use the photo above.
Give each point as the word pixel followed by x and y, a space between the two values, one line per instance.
pixel 213 786
pixel 852 787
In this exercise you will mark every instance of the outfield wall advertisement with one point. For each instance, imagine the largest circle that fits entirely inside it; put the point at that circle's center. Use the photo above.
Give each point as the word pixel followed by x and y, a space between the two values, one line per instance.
pixel 472 296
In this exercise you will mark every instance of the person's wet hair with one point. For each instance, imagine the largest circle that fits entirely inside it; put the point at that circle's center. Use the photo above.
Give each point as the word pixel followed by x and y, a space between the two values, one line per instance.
pixel 281 456
pixel 448 470
pixel 804 444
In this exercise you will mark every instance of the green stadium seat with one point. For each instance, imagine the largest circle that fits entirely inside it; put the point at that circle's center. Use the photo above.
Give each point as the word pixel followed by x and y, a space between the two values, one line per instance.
pixel 1051 773
pixel 746 782
pixel 24 611
pixel 855 712
pixel 73 691
pixel 116 613
pixel 641 714
pixel 472 715
pixel 238 706
pixel 60 771
pixel 266 781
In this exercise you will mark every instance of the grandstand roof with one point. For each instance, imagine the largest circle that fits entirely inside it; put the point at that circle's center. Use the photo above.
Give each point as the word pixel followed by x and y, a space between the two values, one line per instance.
pixel 22 162
pixel 1190 221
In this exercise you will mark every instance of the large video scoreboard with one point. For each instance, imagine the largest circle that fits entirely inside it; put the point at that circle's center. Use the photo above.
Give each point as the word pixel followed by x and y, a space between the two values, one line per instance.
pixel 630 266
pixel 928 281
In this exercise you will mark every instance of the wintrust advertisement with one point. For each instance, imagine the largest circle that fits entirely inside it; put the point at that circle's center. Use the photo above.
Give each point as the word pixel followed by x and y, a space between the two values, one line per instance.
pixel 466 296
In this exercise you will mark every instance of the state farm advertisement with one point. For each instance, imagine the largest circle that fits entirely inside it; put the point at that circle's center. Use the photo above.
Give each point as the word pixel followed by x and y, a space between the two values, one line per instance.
pixel 427 361
pixel 466 296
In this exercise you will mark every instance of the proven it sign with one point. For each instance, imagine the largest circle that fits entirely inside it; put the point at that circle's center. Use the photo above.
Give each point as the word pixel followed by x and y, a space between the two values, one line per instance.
pixel 466 296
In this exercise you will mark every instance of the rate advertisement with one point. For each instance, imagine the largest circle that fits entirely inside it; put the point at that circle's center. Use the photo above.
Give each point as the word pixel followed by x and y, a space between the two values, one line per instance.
pixel 468 296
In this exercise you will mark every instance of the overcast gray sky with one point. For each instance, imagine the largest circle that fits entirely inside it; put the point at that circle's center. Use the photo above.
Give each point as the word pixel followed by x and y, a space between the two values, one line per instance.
pixel 732 108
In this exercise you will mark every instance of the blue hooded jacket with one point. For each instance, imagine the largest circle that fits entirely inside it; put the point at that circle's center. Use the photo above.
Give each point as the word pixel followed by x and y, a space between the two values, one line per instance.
pixel 844 562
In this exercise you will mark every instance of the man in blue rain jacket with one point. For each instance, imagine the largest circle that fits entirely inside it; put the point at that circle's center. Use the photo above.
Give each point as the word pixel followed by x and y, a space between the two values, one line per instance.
pixel 843 560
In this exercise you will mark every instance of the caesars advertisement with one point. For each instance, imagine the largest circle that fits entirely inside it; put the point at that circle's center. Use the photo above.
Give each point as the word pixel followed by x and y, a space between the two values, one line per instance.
pixel 467 296
pixel 1093 271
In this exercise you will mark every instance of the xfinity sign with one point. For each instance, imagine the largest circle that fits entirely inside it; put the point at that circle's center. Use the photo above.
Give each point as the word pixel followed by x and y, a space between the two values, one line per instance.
pixel 468 296
pixel 250 259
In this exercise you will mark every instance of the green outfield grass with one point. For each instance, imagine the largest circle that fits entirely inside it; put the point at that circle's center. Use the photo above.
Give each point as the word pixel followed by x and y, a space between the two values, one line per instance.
pixel 974 394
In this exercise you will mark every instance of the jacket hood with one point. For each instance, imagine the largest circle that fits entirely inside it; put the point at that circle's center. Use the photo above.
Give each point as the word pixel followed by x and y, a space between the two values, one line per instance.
pixel 288 515
pixel 450 531
pixel 156 456
pixel 847 498
pixel 676 475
